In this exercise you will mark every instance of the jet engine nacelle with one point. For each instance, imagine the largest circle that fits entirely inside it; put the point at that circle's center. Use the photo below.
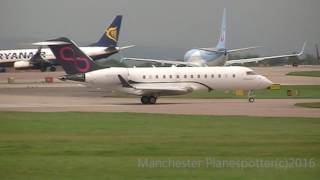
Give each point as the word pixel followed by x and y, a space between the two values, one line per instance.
pixel 22 65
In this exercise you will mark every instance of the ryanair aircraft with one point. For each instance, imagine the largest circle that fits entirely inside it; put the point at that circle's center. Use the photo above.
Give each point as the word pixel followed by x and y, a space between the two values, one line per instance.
pixel 43 58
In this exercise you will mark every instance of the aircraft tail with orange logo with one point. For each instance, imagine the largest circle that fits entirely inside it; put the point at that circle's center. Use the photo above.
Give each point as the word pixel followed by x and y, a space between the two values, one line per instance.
pixel 110 36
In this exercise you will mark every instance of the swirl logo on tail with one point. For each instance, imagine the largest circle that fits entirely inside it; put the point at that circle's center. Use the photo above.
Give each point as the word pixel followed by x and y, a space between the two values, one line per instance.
pixel 82 64
pixel 112 33
pixel 222 37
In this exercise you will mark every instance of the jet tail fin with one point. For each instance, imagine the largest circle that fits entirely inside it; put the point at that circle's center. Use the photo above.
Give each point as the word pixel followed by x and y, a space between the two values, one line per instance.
pixel 70 56
pixel 222 40
pixel 110 37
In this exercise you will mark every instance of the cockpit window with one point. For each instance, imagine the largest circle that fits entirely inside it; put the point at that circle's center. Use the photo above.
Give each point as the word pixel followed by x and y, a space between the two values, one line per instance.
pixel 251 73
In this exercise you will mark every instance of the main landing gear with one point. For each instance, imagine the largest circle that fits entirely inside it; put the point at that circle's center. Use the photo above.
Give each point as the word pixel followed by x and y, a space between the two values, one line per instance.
pixel 251 96
pixel 51 68
pixel 148 99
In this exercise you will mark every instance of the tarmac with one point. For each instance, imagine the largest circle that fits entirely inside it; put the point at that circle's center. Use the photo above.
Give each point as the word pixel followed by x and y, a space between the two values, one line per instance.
pixel 30 93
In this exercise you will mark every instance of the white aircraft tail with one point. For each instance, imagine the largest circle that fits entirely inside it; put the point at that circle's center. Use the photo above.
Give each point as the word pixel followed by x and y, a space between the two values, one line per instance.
pixel 222 40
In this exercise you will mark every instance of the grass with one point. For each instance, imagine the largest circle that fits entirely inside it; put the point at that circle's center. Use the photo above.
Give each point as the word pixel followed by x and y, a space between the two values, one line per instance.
pixel 304 92
pixel 305 73
pixel 109 145
pixel 309 105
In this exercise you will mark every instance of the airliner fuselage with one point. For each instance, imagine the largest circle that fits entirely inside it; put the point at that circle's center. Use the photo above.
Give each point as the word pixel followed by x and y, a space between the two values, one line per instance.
pixel 183 79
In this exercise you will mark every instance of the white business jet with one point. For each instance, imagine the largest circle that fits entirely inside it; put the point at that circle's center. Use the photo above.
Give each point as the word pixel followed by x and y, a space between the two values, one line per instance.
pixel 152 82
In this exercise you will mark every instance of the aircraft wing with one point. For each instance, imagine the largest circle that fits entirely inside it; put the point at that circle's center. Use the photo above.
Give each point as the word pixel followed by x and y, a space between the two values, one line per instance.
pixel 172 62
pixel 162 88
pixel 156 88
pixel 242 61
pixel 243 49
pixel 215 50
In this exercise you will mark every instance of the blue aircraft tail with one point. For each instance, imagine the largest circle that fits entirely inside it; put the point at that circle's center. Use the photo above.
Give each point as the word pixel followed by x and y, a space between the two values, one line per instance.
pixel 110 37
pixel 222 40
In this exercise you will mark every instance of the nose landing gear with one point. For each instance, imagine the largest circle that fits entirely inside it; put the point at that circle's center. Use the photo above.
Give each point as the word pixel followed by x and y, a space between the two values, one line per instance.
pixel 148 99
pixel 251 99
pixel 251 96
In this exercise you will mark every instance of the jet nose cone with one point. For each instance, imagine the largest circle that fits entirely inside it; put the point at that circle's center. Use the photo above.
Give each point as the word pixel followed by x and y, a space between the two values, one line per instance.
pixel 265 82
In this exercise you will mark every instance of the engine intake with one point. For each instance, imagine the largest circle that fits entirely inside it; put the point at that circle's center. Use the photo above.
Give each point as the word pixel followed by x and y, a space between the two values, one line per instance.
pixel 22 65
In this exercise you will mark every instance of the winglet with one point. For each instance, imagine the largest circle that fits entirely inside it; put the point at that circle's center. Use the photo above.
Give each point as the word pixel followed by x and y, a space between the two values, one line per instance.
pixel 124 83
pixel 303 48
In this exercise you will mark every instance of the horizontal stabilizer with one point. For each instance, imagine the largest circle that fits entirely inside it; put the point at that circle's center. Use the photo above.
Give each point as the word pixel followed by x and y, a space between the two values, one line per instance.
pixel 48 43
pixel 125 47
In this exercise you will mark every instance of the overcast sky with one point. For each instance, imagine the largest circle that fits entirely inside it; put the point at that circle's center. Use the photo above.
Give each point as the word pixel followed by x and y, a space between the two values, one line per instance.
pixel 279 25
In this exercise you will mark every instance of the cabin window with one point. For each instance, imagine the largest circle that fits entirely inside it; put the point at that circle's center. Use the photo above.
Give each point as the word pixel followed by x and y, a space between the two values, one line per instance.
pixel 219 76
pixel 234 75
pixel 251 73
pixel 212 75
pixel 178 76
pixel 191 76
pixel 185 76
pixel 170 76
pixel 164 76
pixel 144 77
pixel 199 76
pixel 157 77
pixel 205 76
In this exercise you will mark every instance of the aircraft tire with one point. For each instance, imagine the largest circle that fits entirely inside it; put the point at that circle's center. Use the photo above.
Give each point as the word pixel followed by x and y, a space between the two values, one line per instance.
pixel 145 100
pixel 52 69
pixel 152 100
pixel 251 100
